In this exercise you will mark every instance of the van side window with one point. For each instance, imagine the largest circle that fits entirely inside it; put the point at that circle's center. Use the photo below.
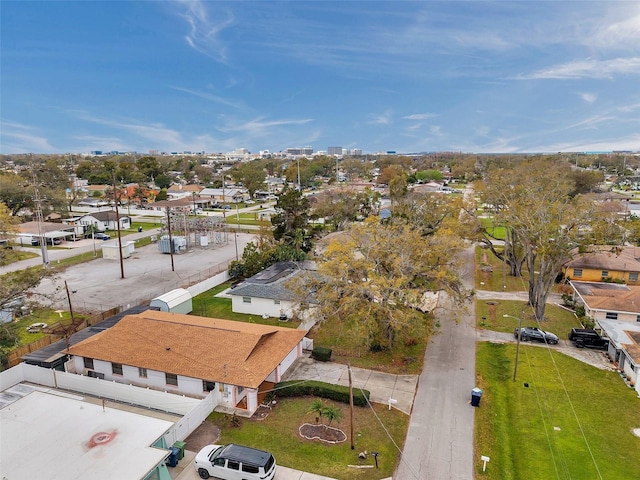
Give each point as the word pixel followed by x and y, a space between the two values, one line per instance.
pixel 250 468
pixel 231 465
pixel 219 462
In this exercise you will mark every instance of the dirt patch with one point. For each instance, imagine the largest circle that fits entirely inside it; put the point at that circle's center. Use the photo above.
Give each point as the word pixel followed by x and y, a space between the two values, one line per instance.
pixel 206 434
pixel 322 432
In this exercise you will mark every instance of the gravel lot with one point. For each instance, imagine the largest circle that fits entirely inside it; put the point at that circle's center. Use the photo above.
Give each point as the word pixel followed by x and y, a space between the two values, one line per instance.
pixel 97 285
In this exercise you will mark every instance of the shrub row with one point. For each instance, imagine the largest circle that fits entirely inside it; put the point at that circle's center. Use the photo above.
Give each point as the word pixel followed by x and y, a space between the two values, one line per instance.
pixel 321 354
pixel 338 393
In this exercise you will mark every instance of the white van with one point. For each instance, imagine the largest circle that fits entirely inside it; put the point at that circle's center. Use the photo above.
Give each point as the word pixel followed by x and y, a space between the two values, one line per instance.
pixel 235 462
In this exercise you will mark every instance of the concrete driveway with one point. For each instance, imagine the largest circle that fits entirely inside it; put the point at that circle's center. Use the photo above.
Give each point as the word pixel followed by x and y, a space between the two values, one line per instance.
pixel 382 386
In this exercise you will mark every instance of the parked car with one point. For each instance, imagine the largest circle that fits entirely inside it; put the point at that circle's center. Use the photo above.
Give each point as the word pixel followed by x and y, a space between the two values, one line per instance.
pixel 226 207
pixel 35 241
pixel 586 337
pixel 235 462
pixel 534 333
pixel 101 236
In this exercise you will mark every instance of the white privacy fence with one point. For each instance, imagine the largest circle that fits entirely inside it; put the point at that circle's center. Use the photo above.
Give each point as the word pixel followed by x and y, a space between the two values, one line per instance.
pixel 193 411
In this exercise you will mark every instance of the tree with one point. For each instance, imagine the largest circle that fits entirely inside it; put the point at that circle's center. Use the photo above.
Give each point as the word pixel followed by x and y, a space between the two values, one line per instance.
pixel 291 221
pixel 331 413
pixel 163 181
pixel 429 175
pixel 162 195
pixel 251 175
pixel 149 167
pixel 317 407
pixel 372 279
pixel 536 206
pixel 14 193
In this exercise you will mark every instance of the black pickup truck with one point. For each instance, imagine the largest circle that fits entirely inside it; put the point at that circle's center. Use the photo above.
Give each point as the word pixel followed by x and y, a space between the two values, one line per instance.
pixel 586 337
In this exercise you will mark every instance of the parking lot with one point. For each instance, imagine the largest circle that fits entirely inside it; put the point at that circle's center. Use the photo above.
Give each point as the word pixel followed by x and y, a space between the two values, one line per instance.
pixel 98 285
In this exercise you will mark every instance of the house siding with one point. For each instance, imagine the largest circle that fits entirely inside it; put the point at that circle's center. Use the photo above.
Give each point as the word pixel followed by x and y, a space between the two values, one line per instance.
pixel 154 379
pixel 261 306
pixel 595 275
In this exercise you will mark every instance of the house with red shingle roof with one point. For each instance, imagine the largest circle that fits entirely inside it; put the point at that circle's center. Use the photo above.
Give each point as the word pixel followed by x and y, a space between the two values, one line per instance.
pixel 184 354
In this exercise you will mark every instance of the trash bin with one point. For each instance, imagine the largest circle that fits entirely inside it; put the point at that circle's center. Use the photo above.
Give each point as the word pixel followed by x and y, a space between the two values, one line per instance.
pixel 476 395
pixel 180 446
pixel 139 229
pixel 172 461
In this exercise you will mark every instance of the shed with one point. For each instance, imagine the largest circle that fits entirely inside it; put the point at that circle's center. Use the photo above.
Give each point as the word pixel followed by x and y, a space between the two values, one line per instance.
pixel 175 301
pixel 110 250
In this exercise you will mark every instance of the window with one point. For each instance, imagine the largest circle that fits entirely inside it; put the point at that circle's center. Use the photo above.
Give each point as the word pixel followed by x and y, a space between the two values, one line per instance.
pixel 232 465
pixel 250 468
pixel 577 272
pixel 611 316
pixel 638 318
pixel 605 273
pixel 208 386
pixel 276 302
pixel 219 462
pixel 246 299
pixel 88 363
pixel 116 368
pixel 171 379
pixel 633 276
pixel 142 372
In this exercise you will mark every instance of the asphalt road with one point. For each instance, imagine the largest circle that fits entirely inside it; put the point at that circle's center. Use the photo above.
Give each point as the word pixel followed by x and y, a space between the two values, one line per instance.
pixel 439 443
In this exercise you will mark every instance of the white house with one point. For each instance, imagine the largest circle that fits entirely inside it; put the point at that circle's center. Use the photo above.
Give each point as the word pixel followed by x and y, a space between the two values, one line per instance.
pixel 267 292
pixel 105 220
pixel 236 361
pixel 624 348
pixel 224 195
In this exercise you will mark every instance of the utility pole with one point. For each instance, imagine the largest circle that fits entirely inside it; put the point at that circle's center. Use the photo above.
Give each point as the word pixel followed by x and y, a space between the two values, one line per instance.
pixel 69 301
pixel 115 200
pixel 299 185
pixel 351 406
pixel 515 368
pixel 38 202
pixel 170 239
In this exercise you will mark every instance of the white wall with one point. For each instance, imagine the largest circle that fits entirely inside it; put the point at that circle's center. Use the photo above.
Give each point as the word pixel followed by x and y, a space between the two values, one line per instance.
pixel 209 283
pixel 130 375
pixel 261 306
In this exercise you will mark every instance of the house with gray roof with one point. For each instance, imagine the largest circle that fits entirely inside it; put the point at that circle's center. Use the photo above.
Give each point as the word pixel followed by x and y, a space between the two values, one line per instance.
pixel 269 293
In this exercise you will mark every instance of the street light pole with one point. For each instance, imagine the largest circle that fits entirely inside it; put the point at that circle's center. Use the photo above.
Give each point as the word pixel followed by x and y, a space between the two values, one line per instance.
pixel 515 368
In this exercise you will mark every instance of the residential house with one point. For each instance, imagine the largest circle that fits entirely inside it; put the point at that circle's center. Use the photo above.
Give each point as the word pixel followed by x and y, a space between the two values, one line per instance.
pixel 624 348
pixel 105 220
pixel 610 263
pixel 224 195
pixel 30 232
pixel 608 301
pixel 269 292
pixel 184 191
pixel 238 362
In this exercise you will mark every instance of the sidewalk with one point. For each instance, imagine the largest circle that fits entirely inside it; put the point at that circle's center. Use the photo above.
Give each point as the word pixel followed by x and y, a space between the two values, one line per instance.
pixel 382 386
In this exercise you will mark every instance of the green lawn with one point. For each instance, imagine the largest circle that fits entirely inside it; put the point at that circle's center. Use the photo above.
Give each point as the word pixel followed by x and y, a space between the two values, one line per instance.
pixel 39 315
pixel 405 359
pixel 493 274
pixel 549 429
pixel 489 314
pixel 278 433
pixel 208 305
pixel 12 256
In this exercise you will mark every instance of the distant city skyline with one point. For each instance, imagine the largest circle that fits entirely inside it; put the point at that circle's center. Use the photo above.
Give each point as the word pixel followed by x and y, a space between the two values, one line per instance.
pixel 213 76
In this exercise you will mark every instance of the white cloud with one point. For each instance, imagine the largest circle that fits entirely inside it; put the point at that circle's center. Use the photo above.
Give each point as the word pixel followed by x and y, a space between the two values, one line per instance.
pixel 204 33
pixel 20 138
pixel 588 97
pixel 420 116
pixel 381 119
pixel 589 68
pixel 208 96
pixel 259 127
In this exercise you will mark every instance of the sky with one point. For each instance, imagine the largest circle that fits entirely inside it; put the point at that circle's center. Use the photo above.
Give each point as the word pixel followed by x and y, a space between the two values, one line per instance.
pixel 174 76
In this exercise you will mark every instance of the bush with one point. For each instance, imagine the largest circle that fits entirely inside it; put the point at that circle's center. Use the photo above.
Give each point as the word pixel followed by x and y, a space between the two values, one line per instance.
pixel 337 393
pixel 321 354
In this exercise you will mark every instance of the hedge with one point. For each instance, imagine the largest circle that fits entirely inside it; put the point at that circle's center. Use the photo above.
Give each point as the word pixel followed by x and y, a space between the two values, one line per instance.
pixel 322 354
pixel 338 393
